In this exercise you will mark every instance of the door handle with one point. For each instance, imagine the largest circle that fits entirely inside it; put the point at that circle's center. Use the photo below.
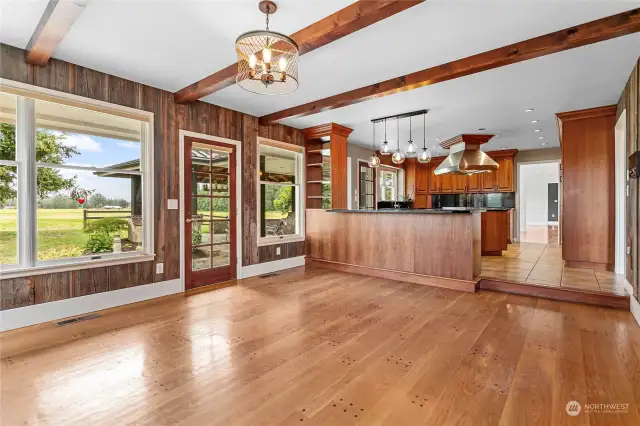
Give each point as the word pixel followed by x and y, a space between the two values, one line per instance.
pixel 188 220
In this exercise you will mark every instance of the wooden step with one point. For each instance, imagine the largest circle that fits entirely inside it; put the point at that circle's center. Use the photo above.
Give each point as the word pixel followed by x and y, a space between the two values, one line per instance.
pixel 565 294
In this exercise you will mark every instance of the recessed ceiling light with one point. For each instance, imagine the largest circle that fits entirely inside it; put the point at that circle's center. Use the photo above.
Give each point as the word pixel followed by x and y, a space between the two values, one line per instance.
pixel 537 130
pixel 543 143
pixel 496 136
pixel 503 148
pixel 535 121
pixel 541 137
pixel 528 110
pixel 437 139
pixel 435 147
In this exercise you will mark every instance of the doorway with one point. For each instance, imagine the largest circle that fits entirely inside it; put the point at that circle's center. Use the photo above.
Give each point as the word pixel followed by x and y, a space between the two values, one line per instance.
pixel 539 202
pixel 210 251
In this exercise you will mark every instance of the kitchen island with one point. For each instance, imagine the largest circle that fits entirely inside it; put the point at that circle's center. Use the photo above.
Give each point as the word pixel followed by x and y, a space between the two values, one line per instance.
pixel 427 246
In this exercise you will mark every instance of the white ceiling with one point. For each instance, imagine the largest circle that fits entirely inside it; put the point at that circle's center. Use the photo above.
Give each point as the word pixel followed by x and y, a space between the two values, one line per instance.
pixel 586 77
pixel 170 44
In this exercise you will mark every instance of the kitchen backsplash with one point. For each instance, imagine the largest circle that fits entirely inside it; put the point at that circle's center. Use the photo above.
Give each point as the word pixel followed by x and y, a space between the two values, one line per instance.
pixel 494 199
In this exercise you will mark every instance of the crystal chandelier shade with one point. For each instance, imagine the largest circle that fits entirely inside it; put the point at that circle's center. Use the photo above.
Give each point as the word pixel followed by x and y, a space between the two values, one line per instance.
pixel 267 60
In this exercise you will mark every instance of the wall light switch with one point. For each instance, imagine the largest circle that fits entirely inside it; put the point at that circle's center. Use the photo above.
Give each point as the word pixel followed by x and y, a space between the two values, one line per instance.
pixel 159 268
pixel 278 251
pixel 172 204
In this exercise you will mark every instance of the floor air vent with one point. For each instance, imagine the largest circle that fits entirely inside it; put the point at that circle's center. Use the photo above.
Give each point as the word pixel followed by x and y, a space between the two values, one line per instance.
pixel 272 274
pixel 77 319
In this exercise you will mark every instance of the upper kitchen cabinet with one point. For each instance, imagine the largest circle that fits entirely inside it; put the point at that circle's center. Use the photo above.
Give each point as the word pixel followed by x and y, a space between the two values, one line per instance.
pixel 502 180
pixel 474 182
pixel 504 174
pixel 422 179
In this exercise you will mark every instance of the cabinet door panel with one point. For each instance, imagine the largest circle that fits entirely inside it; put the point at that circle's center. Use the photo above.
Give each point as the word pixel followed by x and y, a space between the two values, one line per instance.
pixel 446 184
pixel 474 182
pixel 434 181
pixel 489 181
pixel 422 179
pixel 504 175
pixel 459 183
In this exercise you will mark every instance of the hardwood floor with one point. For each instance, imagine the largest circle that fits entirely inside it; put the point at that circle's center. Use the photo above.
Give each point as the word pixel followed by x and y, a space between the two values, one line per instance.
pixel 323 347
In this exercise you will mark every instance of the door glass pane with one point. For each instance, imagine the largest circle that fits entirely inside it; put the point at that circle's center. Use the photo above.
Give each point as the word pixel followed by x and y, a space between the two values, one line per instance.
pixel 220 185
pixel 220 207
pixel 201 184
pixel 221 231
pixel 200 258
pixel 220 255
pixel 200 233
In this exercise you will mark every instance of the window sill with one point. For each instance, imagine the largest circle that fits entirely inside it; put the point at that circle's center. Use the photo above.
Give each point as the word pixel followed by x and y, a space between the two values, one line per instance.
pixel 74 265
pixel 276 240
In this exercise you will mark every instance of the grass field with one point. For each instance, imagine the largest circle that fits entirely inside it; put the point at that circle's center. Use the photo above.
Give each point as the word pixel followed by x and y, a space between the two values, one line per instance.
pixel 60 233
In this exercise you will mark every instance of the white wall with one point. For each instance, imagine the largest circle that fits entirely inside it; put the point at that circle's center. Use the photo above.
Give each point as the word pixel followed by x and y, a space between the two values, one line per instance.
pixel 533 188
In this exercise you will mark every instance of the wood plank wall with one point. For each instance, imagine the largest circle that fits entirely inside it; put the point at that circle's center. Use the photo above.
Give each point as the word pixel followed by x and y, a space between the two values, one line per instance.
pixel 168 119
pixel 630 101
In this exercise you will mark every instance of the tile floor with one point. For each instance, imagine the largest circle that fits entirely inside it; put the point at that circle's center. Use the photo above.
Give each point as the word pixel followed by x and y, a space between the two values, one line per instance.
pixel 540 263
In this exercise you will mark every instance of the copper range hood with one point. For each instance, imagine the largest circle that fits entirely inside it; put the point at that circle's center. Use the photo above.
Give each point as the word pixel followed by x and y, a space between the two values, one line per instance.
pixel 465 156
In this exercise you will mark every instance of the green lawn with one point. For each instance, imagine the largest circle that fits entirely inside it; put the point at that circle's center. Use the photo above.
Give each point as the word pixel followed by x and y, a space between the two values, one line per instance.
pixel 60 233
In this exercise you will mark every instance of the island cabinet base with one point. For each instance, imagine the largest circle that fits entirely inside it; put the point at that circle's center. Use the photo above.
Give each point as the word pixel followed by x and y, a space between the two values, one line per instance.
pixel 461 285
pixel 442 250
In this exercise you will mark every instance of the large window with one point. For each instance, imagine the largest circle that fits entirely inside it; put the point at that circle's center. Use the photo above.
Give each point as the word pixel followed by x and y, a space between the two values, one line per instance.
pixel 74 180
pixel 280 195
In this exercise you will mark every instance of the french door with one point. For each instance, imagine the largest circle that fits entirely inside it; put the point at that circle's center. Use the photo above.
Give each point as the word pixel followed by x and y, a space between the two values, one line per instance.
pixel 366 186
pixel 210 212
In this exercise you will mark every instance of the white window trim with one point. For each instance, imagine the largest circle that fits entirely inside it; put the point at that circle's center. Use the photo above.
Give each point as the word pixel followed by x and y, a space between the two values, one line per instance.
pixel 146 165
pixel 273 240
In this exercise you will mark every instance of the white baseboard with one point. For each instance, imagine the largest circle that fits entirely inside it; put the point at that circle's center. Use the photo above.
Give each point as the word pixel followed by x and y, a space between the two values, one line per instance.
pixel 635 308
pixel 628 287
pixel 45 312
pixel 268 267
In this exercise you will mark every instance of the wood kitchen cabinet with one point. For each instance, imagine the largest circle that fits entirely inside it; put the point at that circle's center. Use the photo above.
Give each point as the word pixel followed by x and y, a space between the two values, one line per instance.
pixel 501 180
pixel 474 182
pixel 422 179
pixel 504 174
pixel 459 183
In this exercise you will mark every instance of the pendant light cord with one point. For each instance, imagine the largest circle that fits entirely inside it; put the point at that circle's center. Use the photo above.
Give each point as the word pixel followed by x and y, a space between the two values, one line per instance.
pixel 373 144
pixel 424 131
pixel 398 127
pixel 410 129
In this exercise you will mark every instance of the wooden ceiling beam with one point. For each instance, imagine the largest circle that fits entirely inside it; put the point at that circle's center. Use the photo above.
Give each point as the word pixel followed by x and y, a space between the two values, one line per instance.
pixel 54 24
pixel 581 35
pixel 346 21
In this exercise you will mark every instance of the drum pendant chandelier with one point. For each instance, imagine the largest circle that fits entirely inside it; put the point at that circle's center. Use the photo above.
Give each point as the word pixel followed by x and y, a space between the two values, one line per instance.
pixel 267 61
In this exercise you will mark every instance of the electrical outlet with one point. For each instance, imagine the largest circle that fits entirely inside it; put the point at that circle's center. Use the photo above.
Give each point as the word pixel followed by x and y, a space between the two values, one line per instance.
pixel 278 251
pixel 159 268
pixel 172 204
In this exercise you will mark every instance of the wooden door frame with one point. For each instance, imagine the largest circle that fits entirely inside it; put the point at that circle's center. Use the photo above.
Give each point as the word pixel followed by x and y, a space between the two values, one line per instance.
pixel 238 172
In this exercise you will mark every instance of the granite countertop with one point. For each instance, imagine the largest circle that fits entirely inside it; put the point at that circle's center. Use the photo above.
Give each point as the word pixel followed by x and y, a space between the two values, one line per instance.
pixel 408 211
